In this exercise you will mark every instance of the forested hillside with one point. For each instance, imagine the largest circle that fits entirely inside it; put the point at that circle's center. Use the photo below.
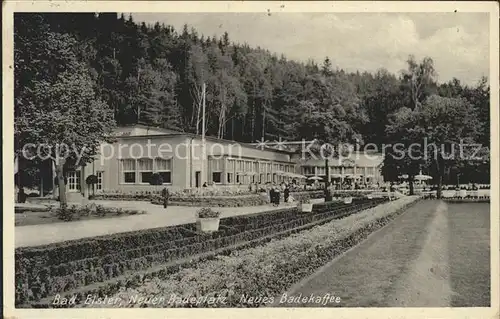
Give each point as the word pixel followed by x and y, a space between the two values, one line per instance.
pixel 153 74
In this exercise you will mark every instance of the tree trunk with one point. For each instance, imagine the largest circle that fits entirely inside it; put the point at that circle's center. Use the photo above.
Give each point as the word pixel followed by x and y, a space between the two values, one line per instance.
pixel 412 188
pixel 60 183
pixel 440 186
pixel 264 124
pixel 440 170
pixel 327 172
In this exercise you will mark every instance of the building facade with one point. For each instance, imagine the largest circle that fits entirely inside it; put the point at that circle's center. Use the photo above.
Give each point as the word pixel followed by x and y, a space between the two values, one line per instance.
pixel 180 158
pixel 356 167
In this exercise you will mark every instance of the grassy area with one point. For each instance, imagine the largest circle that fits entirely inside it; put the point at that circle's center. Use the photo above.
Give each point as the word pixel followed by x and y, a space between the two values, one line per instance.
pixel 469 245
pixel 366 275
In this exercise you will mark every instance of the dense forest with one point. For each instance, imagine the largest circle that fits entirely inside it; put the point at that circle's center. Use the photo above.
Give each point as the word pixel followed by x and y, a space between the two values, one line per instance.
pixel 153 74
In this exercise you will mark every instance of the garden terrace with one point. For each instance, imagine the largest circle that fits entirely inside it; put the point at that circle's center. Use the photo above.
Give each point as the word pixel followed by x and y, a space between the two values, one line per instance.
pixel 88 264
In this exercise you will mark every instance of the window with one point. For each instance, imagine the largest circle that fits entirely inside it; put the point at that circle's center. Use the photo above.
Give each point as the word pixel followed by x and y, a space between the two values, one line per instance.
pixel 230 165
pixel 336 169
pixel 255 167
pixel 164 168
pixel 238 178
pixel 73 181
pixel 307 170
pixel 145 166
pixel 99 175
pixel 349 170
pixel 128 170
pixel 217 177
pixel 269 177
pixel 229 178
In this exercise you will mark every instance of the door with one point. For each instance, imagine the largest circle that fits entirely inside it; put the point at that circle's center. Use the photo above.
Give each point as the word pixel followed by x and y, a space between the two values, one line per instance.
pixel 74 181
pixel 197 178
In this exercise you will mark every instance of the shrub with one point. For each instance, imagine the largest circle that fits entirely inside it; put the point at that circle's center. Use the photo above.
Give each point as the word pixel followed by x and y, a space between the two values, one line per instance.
pixel 139 250
pixel 269 269
pixel 305 200
pixel 91 180
pixel 156 179
pixel 207 213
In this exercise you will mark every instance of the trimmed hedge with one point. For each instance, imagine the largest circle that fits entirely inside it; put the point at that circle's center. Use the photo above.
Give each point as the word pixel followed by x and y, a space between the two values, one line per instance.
pixel 47 270
pixel 186 199
pixel 236 201
pixel 269 270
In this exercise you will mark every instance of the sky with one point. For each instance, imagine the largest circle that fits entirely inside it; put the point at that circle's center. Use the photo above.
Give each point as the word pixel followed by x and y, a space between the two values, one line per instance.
pixel 457 42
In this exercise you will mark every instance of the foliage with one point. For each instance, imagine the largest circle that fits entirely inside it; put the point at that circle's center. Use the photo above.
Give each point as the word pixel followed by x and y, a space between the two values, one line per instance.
pixel 156 179
pixel 305 199
pixel 153 74
pixel 55 100
pixel 271 268
pixel 74 264
pixel 207 213
pixel 91 180
pixel 76 212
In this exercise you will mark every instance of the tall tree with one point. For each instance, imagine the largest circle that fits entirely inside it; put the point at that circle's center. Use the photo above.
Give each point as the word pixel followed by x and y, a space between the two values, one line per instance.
pixel 58 107
pixel 419 80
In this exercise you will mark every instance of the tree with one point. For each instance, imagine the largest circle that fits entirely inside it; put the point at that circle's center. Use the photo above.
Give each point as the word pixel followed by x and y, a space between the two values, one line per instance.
pixel 434 134
pixel 403 158
pixel 419 80
pixel 326 68
pixel 58 107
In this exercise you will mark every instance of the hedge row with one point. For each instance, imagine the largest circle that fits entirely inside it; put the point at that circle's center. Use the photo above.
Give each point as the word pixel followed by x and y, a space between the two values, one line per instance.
pixel 269 270
pixel 197 200
pixel 42 271
pixel 237 201
pixel 163 266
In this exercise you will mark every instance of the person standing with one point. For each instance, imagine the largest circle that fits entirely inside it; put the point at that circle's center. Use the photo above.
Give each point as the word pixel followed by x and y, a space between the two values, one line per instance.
pixel 271 195
pixel 165 194
pixel 286 194
pixel 277 195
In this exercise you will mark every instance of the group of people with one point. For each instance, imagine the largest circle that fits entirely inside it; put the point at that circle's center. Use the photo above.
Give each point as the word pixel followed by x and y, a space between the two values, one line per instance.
pixel 275 194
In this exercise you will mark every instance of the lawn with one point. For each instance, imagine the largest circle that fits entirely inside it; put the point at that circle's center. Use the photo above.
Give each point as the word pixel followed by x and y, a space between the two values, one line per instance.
pixel 365 276
pixel 469 255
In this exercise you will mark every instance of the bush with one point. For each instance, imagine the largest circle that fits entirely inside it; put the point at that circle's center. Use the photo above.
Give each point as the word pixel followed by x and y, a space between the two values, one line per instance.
pixel 305 199
pixel 91 180
pixel 207 213
pixel 268 269
pixel 75 212
pixel 156 179
pixel 139 250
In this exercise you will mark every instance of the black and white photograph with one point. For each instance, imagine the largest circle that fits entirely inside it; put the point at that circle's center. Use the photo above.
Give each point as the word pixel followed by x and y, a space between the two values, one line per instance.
pixel 267 155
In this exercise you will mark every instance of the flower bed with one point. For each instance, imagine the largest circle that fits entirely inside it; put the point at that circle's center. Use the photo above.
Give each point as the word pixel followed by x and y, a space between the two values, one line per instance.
pixel 74 212
pixel 270 269
pixel 56 268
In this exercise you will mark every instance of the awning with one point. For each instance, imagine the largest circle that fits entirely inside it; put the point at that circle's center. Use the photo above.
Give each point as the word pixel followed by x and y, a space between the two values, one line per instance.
pixel 315 178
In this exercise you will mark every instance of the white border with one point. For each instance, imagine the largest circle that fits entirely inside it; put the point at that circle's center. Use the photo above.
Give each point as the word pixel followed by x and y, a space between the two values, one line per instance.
pixel 258 6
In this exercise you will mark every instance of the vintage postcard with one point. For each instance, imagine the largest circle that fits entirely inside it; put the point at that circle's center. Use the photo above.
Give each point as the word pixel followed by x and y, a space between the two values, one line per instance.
pixel 197 159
